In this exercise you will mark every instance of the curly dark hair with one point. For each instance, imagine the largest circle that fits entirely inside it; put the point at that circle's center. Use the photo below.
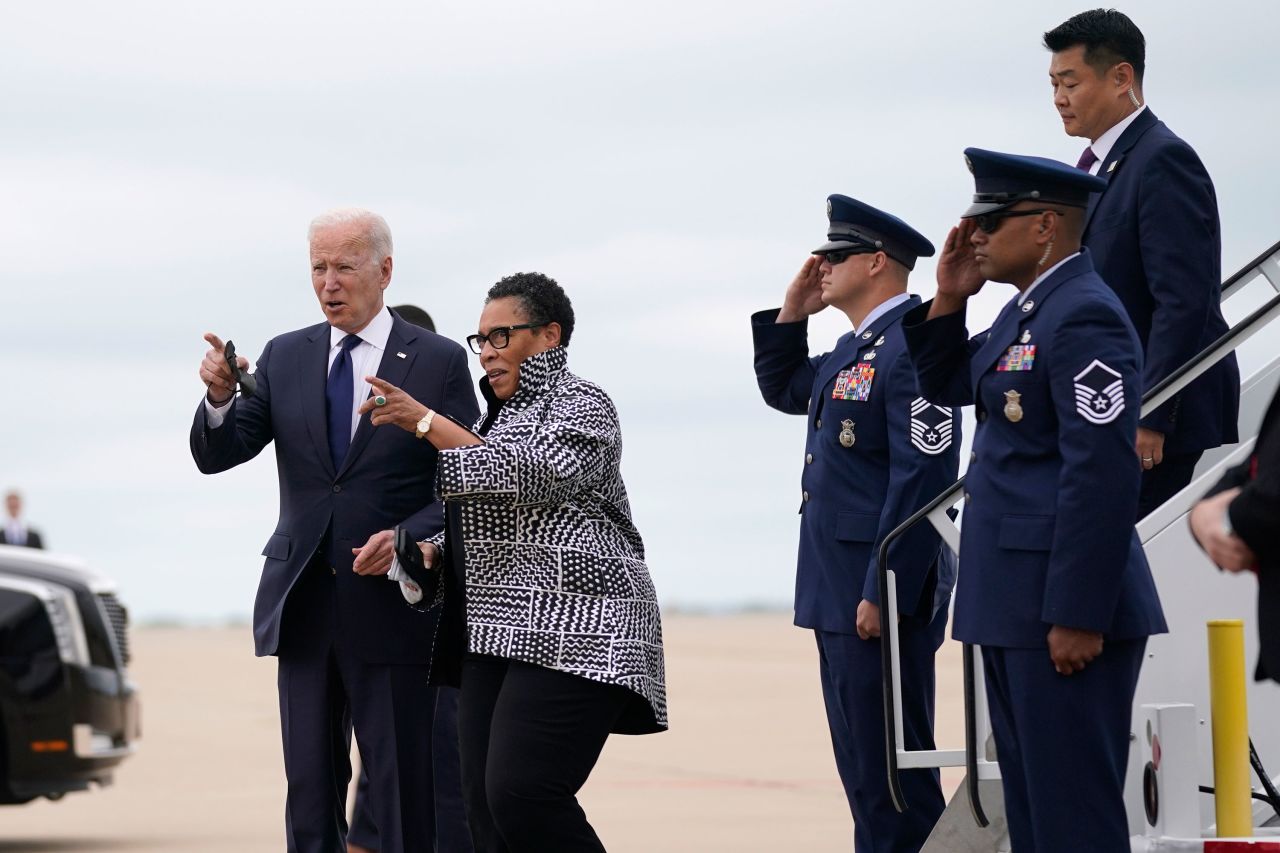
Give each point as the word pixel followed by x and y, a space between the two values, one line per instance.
pixel 1108 36
pixel 542 300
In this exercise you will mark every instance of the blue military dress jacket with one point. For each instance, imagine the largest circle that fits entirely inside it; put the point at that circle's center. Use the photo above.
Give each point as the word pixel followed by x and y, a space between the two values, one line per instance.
pixel 1052 485
pixel 898 452
pixel 1155 239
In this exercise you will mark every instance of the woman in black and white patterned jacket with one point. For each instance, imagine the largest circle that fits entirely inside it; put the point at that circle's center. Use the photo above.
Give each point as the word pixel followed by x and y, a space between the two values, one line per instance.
pixel 563 633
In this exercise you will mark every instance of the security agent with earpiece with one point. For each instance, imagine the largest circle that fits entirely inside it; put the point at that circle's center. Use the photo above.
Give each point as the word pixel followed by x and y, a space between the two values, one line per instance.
pixel 1154 235
pixel 1054 585
pixel 875 452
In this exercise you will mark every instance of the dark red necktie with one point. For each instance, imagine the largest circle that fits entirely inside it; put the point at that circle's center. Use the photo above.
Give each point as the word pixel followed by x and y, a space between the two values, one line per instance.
pixel 1087 159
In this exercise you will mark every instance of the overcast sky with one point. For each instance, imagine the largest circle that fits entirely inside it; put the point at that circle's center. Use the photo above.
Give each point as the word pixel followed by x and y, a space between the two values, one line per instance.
pixel 666 161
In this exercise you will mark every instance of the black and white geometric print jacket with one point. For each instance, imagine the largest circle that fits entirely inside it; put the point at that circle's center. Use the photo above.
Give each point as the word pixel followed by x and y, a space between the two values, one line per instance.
pixel 555 572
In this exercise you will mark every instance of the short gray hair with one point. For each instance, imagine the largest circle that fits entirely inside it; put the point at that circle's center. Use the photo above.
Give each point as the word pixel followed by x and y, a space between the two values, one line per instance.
pixel 376 228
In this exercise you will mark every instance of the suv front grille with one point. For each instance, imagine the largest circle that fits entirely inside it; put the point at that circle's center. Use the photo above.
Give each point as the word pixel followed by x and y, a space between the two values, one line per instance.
pixel 119 623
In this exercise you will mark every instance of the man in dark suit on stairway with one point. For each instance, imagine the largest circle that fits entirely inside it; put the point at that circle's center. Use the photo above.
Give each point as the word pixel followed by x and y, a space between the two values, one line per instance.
pixel 1154 237
pixel 350 651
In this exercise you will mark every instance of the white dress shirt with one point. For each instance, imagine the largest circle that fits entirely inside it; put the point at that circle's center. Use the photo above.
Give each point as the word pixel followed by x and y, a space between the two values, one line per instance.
pixel 15 532
pixel 366 356
pixel 880 310
pixel 1103 144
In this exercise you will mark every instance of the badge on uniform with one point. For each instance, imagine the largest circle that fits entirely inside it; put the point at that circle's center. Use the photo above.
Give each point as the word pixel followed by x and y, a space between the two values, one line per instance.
pixel 1013 406
pixel 930 426
pixel 846 433
pixel 1099 393
pixel 854 383
pixel 1016 358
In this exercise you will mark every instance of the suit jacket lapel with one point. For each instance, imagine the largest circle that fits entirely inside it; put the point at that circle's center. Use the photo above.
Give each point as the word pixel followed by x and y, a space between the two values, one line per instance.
pixel 313 369
pixel 1115 157
pixel 393 369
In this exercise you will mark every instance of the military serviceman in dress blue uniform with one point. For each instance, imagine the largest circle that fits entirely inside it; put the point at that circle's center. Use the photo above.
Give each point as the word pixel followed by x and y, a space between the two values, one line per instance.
pixel 1053 581
pixel 875 452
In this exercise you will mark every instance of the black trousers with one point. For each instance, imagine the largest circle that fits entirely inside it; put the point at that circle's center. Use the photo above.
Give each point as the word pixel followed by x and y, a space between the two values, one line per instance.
pixel 529 737
pixel 1166 480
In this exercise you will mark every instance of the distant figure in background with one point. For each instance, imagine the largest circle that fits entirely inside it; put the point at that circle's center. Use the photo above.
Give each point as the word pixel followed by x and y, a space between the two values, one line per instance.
pixel 452 835
pixel 1154 237
pixel 1236 524
pixel 875 452
pixel 416 316
pixel 16 531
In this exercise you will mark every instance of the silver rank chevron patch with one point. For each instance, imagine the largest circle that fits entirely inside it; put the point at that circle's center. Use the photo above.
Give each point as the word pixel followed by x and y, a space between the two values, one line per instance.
pixel 1099 393
pixel 930 426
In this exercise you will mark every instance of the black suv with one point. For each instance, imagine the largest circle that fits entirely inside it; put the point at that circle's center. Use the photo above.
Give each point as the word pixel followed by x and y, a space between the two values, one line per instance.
pixel 68 712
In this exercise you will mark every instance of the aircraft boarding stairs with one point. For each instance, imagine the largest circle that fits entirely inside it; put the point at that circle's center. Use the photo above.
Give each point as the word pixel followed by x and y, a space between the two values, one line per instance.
pixel 1192 592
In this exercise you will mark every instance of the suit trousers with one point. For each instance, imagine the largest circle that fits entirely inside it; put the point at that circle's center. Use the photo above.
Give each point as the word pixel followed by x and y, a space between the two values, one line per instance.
pixel 325 689
pixel 854 696
pixel 451 831
pixel 1063 746
pixel 530 737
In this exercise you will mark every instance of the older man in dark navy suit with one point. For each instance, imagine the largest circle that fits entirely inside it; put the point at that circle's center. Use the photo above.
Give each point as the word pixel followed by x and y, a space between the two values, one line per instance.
pixel 1154 236
pixel 1054 584
pixel 350 650
pixel 875 452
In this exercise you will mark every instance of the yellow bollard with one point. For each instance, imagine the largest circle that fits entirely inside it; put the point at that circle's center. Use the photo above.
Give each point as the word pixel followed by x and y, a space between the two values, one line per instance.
pixel 1228 708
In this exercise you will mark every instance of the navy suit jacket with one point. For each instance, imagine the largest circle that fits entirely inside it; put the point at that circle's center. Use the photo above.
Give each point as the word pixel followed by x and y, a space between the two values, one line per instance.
pixel 905 452
pixel 33 538
pixel 387 478
pixel 1156 241
pixel 1052 486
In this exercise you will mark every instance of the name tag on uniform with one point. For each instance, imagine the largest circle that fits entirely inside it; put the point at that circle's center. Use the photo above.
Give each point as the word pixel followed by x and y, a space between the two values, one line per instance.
pixel 1017 358
pixel 854 383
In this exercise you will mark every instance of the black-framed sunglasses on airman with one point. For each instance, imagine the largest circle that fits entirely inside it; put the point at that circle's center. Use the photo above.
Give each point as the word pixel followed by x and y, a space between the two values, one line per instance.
pixel 988 222
pixel 497 338
pixel 841 255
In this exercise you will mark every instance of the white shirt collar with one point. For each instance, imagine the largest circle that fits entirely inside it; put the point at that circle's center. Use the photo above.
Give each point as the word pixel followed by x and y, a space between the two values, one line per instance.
pixel 375 334
pixel 1022 297
pixel 880 310
pixel 1103 144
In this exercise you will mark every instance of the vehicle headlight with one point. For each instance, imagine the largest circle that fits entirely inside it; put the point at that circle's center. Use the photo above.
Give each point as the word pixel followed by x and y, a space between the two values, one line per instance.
pixel 68 626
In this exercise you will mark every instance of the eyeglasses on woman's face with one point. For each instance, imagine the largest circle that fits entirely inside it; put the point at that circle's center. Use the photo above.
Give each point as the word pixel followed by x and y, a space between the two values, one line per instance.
pixel 497 338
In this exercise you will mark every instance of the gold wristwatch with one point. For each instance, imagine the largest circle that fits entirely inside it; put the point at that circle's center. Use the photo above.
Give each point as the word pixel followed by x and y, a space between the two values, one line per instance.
pixel 424 425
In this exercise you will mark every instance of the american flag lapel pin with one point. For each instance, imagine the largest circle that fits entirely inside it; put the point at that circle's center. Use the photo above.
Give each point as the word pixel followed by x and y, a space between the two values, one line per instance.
pixel 401 355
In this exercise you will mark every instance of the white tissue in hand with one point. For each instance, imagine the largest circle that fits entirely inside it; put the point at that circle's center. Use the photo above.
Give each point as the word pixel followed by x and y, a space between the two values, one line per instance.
pixel 411 591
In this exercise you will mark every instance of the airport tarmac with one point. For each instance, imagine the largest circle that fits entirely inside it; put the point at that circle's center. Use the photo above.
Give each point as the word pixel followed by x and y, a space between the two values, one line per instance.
pixel 746 766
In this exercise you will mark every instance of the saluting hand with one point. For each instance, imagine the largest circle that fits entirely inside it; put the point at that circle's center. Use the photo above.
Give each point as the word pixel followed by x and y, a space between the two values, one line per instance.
pixel 399 409
pixel 1072 648
pixel 215 374
pixel 959 275
pixel 804 294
